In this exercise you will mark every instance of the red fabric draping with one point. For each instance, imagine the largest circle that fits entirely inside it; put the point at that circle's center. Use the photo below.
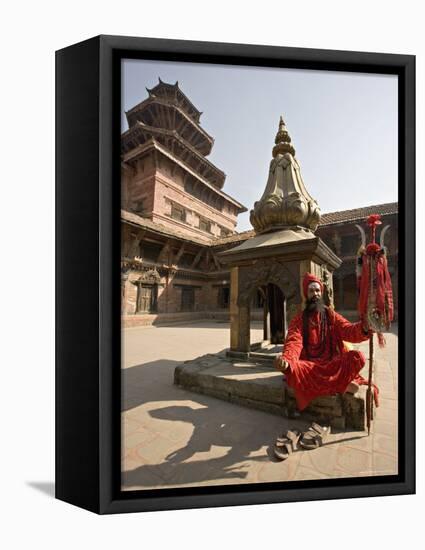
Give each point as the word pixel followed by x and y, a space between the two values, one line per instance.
pixel 320 371
pixel 383 293
pixel 374 282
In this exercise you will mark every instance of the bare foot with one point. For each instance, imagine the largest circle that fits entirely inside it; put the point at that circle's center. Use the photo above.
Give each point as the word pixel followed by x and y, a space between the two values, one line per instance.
pixel 352 388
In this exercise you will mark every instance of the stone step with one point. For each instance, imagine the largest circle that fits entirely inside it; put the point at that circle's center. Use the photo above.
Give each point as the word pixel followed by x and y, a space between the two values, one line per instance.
pixel 261 357
pixel 255 384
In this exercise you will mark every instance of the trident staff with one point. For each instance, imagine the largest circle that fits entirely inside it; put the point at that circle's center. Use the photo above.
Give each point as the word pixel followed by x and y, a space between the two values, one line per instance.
pixel 375 305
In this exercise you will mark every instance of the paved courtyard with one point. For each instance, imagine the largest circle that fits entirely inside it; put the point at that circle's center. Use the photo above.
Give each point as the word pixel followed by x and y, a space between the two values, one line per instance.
pixel 175 438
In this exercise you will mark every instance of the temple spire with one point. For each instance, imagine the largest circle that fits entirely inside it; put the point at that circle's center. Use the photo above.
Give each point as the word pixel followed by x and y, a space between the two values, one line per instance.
pixel 283 140
pixel 286 202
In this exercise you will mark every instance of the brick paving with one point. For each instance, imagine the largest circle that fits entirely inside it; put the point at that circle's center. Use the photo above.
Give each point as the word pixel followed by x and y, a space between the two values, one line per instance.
pixel 174 438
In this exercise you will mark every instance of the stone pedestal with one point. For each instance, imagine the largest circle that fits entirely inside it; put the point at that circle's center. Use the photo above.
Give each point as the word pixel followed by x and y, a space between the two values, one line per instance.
pixel 256 385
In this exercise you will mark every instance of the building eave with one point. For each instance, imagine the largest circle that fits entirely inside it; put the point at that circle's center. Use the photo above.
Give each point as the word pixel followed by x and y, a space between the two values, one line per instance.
pixel 139 221
pixel 176 87
pixel 358 214
pixel 152 144
pixel 140 126
pixel 152 100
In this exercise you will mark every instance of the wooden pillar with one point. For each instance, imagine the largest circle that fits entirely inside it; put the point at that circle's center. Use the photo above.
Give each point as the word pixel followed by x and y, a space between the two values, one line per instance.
pixel 265 314
pixel 234 308
pixel 244 328
pixel 239 317
pixel 124 278
pixel 284 321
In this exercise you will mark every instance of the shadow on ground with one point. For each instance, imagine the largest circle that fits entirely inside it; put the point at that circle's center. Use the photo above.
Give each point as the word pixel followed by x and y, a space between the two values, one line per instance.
pixel 151 381
pixel 216 424
pixel 233 439
pixel 154 381
pixel 236 441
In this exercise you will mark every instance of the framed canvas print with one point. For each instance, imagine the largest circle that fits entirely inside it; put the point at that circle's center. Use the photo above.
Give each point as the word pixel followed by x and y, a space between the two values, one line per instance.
pixel 235 274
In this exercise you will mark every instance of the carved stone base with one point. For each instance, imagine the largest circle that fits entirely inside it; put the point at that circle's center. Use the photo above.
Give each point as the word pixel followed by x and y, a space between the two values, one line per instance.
pixel 256 385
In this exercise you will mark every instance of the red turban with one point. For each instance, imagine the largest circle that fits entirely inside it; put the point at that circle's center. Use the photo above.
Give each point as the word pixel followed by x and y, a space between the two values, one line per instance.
pixel 308 279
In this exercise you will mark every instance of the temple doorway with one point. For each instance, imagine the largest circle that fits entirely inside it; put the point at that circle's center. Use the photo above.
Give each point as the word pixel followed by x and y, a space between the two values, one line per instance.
pixel 147 298
pixel 277 314
pixel 271 300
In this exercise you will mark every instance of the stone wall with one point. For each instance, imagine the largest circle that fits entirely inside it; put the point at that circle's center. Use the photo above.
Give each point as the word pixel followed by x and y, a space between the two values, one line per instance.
pixel 169 293
pixel 153 182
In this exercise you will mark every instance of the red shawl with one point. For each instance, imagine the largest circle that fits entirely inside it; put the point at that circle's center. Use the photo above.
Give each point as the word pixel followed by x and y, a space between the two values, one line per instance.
pixel 320 371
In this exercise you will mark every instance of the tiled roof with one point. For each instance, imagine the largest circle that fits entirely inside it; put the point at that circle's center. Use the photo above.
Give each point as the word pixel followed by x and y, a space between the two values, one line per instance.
pixel 171 232
pixel 330 218
pixel 159 228
pixel 358 213
pixel 234 238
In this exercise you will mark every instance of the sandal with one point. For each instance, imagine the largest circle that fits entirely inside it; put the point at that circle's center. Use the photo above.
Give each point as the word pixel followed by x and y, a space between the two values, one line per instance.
pixel 286 444
pixel 315 436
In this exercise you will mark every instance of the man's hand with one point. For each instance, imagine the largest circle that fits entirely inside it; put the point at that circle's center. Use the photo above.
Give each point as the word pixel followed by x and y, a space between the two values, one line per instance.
pixel 366 328
pixel 280 364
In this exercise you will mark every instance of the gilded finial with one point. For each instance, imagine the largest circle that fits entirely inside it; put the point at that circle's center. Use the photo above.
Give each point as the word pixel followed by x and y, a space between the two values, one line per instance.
pixel 285 203
pixel 283 140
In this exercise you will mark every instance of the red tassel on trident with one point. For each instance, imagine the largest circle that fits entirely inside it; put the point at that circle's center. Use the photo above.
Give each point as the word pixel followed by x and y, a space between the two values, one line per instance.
pixel 375 302
pixel 375 305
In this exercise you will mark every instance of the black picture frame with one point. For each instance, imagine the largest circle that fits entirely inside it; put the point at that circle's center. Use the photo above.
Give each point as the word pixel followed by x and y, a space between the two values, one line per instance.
pixel 88 273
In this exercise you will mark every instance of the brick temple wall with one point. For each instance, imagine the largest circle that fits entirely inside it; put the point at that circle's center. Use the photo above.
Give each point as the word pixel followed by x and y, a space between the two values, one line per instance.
pixel 166 193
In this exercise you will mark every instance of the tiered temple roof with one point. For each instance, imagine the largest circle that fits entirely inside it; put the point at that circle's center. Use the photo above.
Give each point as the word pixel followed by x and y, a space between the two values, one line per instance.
pixel 172 91
pixel 142 133
pixel 167 124
pixel 169 116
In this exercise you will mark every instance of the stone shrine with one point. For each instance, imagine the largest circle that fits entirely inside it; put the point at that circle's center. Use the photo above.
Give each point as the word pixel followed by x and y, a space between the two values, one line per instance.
pixel 275 259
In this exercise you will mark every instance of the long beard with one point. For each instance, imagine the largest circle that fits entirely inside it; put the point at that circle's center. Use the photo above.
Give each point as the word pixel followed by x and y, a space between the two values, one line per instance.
pixel 313 306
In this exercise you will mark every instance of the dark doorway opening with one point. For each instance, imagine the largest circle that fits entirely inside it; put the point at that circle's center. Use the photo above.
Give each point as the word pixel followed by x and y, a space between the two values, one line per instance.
pixel 277 314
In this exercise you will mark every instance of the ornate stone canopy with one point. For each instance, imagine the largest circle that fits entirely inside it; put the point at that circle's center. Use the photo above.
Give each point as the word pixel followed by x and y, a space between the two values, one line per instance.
pixel 286 202
pixel 277 257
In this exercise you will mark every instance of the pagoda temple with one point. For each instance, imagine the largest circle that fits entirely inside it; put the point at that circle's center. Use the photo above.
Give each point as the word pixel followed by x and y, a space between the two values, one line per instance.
pixel 173 207
pixel 165 169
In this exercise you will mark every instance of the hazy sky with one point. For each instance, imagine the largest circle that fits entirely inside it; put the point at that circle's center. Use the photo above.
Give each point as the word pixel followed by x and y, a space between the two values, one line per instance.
pixel 343 126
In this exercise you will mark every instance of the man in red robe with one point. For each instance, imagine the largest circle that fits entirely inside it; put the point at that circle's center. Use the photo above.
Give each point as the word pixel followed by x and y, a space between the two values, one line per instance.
pixel 314 358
